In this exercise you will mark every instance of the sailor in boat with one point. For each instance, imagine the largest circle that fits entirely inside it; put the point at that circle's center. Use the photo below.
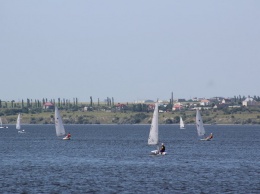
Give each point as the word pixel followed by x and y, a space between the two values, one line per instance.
pixel 210 136
pixel 68 136
pixel 162 148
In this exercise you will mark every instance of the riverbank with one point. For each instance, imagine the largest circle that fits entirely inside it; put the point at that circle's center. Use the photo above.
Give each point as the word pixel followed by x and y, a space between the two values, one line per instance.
pixel 102 117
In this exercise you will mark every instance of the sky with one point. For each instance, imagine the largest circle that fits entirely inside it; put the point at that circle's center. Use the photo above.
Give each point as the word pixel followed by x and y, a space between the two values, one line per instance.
pixel 129 50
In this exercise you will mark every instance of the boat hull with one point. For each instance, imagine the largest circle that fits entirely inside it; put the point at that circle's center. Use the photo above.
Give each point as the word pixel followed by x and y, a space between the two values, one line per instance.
pixel 156 152
pixel 204 139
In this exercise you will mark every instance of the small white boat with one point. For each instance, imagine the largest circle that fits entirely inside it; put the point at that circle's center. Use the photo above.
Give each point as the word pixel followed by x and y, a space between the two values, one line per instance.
pixel 66 138
pixel 60 130
pixel 154 132
pixel 157 152
pixel 181 123
pixel 1 124
pixel 200 126
pixel 18 124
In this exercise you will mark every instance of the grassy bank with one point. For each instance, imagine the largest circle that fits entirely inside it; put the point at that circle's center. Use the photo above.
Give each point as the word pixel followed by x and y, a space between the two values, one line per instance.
pixel 102 117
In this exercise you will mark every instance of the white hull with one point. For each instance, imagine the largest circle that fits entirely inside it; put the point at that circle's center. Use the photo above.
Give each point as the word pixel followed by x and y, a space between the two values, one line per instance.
pixel 22 131
pixel 156 152
pixel 66 138
pixel 205 139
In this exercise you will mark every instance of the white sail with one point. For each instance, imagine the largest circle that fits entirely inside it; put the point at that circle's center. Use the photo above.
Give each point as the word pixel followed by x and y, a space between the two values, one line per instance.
pixel 18 122
pixel 199 123
pixel 153 136
pixel 60 131
pixel 1 124
pixel 181 123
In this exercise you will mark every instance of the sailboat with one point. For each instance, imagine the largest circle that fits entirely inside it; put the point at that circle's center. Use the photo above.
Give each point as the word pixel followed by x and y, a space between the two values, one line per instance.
pixel 181 123
pixel 200 126
pixel 18 124
pixel 60 130
pixel 154 132
pixel 1 124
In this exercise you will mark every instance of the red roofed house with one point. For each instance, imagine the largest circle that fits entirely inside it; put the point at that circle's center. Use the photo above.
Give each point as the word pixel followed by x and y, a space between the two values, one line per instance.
pixel 204 102
pixel 121 107
pixel 48 105
pixel 177 106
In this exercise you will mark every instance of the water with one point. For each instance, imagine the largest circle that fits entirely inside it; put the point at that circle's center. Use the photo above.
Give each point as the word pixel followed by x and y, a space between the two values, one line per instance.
pixel 116 159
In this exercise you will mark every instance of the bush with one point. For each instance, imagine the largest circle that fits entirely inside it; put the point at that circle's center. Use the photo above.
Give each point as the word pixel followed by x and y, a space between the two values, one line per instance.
pixel 168 121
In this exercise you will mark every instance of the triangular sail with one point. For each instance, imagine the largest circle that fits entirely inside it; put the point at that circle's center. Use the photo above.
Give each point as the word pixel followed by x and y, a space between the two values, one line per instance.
pixel 181 123
pixel 1 122
pixel 199 123
pixel 60 131
pixel 153 136
pixel 18 122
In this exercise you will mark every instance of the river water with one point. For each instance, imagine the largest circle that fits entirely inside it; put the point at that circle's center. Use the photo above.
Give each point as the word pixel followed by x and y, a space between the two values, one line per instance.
pixel 116 159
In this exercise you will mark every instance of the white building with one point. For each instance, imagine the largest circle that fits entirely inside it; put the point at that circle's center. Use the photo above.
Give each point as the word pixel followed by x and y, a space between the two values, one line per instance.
pixel 249 102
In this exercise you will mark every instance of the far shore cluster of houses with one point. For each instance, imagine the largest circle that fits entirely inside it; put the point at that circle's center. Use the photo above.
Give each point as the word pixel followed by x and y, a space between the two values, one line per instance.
pixel 179 104
pixel 215 103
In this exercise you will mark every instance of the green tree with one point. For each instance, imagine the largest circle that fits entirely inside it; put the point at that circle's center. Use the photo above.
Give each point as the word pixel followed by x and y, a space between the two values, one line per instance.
pixel 138 108
pixel 107 101
pixel 91 102
pixel 28 103
pixel 176 119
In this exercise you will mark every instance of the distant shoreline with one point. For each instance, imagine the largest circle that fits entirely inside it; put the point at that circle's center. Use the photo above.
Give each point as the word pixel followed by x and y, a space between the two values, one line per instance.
pixel 137 124
pixel 210 117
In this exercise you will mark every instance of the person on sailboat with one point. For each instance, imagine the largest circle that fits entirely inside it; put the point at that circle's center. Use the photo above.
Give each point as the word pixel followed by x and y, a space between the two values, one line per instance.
pixel 210 136
pixel 162 148
pixel 69 135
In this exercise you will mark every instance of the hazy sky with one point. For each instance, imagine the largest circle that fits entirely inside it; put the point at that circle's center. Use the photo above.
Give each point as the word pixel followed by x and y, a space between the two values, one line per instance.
pixel 129 50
